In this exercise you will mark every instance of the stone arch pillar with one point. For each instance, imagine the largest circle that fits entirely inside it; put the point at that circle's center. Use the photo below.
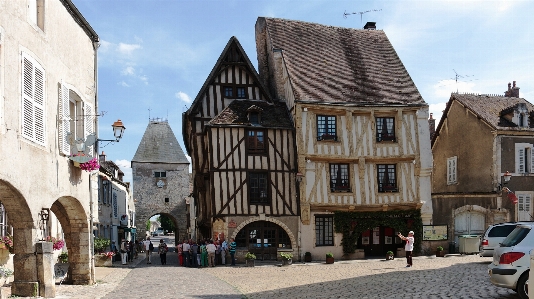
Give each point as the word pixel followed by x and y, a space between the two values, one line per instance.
pixel 25 233
pixel 73 219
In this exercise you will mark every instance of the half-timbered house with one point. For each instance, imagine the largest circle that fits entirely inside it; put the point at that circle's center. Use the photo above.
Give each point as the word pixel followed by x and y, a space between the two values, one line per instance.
pixel 482 144
pixel 242 147
pixel 362 136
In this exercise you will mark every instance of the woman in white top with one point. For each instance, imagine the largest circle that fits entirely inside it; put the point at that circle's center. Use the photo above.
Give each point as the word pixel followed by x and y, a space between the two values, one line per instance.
pixel 408 247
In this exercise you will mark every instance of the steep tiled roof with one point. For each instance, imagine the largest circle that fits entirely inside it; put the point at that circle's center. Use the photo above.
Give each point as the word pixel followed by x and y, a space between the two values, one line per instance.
pixel 159 145
pixel 340 65
pixel 489 108
pixel 272 115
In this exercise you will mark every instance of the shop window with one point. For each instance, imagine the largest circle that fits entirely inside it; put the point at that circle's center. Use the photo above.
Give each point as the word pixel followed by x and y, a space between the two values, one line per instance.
pixel 387 181
pixel 324 230
pixel 385 129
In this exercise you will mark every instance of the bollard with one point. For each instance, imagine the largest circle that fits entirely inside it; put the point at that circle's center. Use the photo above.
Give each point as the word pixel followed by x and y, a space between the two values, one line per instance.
pixel 530 278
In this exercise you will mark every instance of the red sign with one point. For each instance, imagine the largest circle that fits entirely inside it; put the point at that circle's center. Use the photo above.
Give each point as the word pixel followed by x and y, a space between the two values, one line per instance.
pixel 512 197
pixel 232 224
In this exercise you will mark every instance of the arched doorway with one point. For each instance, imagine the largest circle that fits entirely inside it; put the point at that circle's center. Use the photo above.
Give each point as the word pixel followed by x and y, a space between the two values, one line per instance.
pixel 263 238
pixel 73 219
pixel 469 222
pixel 164 225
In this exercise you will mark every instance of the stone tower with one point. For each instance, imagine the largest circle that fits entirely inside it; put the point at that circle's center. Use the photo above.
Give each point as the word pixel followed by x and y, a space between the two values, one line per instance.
pixel 160 174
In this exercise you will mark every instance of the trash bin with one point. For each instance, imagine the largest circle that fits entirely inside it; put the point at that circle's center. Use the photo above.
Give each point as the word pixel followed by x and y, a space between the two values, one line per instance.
pixel 469 244
pixel 452 247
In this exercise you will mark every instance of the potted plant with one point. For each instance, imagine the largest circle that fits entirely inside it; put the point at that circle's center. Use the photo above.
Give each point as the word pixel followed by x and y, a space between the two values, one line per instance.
pixel 287 258
pixel 390 256
pixel 63 258
pixel 5 273
pixel 307 257
pixel 440 252
pixel 249 259
pixel 329 258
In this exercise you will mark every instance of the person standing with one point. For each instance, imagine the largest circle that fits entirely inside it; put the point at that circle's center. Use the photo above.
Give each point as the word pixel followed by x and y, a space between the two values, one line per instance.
pixel 203 255
pixel 124 251
pixel 185 251
pixel 162 250
pixel 194 254
pixel 131 253
pixel 147 243
pixel 180 254
pixel 408 247
pixel 233 246
pixel 211 253
pixel 218 254
pixel 224 251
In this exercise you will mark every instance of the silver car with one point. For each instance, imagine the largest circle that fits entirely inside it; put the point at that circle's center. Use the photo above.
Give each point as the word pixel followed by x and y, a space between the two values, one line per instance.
pixel 494 235
pixel 511 260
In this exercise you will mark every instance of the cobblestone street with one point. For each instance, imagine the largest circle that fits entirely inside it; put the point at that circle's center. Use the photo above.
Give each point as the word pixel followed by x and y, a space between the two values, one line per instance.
pixel 450 277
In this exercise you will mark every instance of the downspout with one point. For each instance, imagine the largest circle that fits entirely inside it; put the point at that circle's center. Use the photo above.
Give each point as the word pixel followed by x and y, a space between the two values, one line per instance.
pixel 96 45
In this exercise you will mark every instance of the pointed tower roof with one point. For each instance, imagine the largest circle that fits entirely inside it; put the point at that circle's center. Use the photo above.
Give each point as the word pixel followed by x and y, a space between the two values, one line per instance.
pixel 159 145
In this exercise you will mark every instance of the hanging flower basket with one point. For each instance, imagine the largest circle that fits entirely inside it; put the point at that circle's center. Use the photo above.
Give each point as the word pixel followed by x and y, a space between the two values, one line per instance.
pixel 90 165
pixel 79 158
pixel 58 243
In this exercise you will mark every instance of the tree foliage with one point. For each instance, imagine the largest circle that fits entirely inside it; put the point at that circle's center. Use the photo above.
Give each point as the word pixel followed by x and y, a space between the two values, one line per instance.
pixel 166 223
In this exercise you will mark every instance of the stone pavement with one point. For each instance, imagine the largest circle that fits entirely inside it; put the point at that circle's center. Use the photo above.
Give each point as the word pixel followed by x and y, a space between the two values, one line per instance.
pixel 454 276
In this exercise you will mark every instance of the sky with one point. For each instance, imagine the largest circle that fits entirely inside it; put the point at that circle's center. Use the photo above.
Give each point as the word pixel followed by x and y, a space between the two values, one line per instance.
pixel 155 55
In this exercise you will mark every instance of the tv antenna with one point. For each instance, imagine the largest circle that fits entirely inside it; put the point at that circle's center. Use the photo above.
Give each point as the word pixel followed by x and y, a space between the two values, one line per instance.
pixel 345 14
pixel 463 78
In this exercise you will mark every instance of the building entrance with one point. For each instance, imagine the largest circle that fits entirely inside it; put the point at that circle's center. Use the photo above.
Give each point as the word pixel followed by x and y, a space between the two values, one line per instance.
pixel 379 240
pixel 263 238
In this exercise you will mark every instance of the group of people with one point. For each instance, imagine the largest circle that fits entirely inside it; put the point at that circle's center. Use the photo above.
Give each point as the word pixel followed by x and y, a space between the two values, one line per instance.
pixel 128 251
pixel 205 253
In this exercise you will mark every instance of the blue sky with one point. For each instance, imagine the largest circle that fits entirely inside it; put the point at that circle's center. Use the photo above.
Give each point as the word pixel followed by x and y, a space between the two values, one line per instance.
pixel 156 54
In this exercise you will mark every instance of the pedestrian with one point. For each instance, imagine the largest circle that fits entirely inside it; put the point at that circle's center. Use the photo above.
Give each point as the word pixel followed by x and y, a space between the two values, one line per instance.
pixel 211 253
pixel 218 250
pixel 194 254
pixel 148 252
pixel 224 251
pixel 185 251
pixel 131 253
pixel 408 247
pixel 180 255
pixel 162 250
pixel 233 245
pixel 203 254
pixel 124 251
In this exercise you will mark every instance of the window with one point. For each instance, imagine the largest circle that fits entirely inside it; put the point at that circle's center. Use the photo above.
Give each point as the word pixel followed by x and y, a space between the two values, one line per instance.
pixel 386 178
pixel 36 13
pixel 228 92
pixel 339 177
pixel 160 174
pixel 256 141
pixel 166 200
pixel 324 230
pixel 33 100
pixel 77 120
pixel 258 188
pixel 241 94
pixel 451 170
pixel 523 207
pixel 385 129
pixel 254 118
pixel 1 77
pixel 115 206
pixel 524 158
pixel 326 127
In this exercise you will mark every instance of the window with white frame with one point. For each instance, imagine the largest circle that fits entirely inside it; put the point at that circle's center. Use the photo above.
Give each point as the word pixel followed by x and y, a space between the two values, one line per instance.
pixel 451 170
pixel 524 157
pixel 36 10
pixel 524 210
pixel 33 100
pixel 77 120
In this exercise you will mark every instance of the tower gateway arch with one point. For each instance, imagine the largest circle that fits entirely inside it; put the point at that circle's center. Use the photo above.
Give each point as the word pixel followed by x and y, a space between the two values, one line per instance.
pixel 160 172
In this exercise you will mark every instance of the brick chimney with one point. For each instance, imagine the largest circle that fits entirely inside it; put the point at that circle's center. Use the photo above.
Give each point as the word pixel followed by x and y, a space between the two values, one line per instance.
pixel 512 92
pixel 102 157
pixel 432 126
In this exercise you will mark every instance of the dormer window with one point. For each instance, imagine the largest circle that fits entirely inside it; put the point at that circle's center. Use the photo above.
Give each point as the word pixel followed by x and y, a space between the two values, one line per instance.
pixel 254 115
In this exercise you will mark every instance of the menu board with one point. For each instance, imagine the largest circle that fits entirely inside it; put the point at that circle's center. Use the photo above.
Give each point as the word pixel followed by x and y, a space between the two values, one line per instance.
pixel 435 232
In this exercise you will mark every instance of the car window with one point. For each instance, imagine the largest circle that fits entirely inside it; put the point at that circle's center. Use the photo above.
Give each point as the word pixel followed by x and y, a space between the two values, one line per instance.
pixel 501 230
pixel 515 237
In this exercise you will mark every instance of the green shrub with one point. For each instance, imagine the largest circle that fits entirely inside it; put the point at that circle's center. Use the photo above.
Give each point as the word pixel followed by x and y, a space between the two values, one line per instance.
pixel 329 254
pixel 439 248
pixel 250 256
pixel 100 244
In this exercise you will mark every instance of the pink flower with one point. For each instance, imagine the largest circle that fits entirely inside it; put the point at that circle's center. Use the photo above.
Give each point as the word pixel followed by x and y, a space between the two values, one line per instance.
pixel 90 165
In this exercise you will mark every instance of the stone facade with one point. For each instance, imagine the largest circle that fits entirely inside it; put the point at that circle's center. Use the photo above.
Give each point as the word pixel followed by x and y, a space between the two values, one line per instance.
pixel 34 173
pixel 161 179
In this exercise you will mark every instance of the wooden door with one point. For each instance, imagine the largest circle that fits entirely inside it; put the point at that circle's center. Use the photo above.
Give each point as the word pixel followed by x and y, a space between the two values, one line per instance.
pixel 263 238
pixel 468 223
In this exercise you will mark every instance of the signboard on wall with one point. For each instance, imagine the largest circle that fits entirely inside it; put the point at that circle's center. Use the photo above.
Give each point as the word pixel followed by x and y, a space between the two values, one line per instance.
pixel 435 232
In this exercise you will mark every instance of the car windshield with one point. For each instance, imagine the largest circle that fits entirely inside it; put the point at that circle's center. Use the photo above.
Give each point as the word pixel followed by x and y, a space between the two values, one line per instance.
pixel 501 231
pixel 516 236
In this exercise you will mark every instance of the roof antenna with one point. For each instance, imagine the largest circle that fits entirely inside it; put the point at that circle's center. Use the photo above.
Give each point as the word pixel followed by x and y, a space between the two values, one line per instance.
pixel 345 14
pixel 149 113
pixel 456 76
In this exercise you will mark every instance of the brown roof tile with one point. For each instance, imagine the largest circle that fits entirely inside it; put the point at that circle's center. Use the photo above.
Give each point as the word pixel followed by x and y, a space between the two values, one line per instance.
pixel 343 65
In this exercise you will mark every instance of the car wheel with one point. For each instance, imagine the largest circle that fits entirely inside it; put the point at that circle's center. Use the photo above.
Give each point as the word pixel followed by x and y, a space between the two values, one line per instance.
pixel 522 286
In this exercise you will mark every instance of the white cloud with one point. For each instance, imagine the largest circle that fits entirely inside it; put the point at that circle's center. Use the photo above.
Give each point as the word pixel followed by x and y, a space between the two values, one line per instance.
pixel 128 71
pixel 183 96
pixel 126 167
pixel 127 49
pixel 104 46
pixel 437 110
pixel 123 84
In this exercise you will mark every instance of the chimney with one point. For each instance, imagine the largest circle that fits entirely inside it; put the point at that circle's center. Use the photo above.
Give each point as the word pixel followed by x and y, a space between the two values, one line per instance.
pixel 512 92
pixel 370 26
pixel 102 157
pixel 432 126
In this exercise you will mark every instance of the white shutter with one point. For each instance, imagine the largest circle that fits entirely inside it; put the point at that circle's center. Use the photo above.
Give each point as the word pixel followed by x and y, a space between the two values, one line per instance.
pixel 88 122
pixel 531 159
pixel 33 100
pixel 64 119
pixel 521 153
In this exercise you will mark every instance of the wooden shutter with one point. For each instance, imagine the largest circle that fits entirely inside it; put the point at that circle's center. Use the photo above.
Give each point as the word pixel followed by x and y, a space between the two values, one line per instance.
pixel 33 100
pixel 88 122
pixel 64 119
pixel 521 153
